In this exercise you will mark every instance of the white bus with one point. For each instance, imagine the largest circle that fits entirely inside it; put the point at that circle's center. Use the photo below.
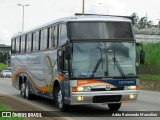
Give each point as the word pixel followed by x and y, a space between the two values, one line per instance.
pixel 84 59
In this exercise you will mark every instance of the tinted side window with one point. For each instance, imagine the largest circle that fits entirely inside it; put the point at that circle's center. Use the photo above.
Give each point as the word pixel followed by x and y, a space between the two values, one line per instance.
pixel 17 45
pixel 36 41
pixel 29 43
pixel 23 44
pixel 13 46
pixel 62 33
pixel 44 39
pixel 20 44
pixel 53 36
pixel 51 42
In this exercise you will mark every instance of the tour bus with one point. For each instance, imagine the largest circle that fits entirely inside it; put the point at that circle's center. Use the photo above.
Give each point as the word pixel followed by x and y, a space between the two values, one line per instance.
pixel 83 59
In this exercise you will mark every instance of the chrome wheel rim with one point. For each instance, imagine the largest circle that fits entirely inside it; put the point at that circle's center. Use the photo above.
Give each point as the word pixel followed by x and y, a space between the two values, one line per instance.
pixel 23 88
pixel 59 99
pixel 27 90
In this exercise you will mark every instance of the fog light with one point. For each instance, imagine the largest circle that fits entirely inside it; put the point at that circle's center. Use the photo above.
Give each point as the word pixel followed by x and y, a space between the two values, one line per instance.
pixel 132 96
pixel 80 98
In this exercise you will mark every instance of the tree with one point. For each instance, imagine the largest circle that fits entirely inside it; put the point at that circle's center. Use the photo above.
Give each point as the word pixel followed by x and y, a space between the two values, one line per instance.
pixel 4 57
pixel 150 24
pixel 142 23
pixel 135 20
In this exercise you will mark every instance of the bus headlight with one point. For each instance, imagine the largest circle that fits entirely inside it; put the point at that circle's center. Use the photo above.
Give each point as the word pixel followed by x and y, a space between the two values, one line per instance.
pixel 81 89
pixel 131 87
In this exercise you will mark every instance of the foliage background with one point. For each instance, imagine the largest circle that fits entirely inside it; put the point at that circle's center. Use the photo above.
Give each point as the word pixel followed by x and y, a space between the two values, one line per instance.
pixel 151 68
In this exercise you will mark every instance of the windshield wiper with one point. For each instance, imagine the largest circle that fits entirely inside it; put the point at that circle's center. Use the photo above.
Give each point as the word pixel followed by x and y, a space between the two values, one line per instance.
pixel 96 67
pixel 119 67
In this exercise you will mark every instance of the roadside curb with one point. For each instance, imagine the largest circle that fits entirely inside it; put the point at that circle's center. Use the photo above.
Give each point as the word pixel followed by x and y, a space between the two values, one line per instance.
pixel 153 85
pixel 17 105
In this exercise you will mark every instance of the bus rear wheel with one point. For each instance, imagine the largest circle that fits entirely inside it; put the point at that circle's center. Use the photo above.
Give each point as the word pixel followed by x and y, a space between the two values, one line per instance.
pixel 23 88
pixel 59 100
pixel 115 106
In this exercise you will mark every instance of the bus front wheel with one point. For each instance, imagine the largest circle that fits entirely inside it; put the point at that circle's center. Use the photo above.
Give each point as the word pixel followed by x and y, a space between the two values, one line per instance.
pixel 27 90
pixel 115 106
pixel 59 100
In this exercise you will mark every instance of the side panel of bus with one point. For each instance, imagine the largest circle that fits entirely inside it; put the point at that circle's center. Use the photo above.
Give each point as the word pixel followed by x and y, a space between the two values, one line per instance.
pixel 39 68
pixel 34 57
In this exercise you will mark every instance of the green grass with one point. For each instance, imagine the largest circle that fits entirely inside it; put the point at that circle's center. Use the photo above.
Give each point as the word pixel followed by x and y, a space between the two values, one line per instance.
pixel 151 68
pixel 2 66
pixel 152 51
pixel 149 77
pixel 2 109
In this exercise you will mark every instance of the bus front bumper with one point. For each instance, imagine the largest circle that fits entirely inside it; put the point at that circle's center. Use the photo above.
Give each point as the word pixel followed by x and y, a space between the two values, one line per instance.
pixel 125 96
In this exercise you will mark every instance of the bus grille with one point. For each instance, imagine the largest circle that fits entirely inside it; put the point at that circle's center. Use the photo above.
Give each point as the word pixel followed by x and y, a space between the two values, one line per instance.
pixel 109 98
pixel 103 89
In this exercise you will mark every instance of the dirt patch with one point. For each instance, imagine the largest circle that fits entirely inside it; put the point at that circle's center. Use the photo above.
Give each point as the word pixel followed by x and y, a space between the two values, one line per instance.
pixel 153 85
pixel 18 105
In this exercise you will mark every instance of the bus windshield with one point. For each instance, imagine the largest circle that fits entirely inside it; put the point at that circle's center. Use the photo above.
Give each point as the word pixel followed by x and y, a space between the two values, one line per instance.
pixel 100 30
pixel 103 59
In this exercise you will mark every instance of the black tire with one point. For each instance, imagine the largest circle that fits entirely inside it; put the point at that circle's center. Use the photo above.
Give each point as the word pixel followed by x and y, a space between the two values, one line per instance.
pixel 115 106
pixel 58 97
pixel 27 90
pixel 23 88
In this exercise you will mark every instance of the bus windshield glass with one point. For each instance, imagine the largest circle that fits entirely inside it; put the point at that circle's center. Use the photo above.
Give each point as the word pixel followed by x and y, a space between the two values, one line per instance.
pixel 100 30
pixel 103 59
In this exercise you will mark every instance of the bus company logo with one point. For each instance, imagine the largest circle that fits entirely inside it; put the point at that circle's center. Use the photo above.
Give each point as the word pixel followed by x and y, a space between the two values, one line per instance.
pixel 126 82
pixel 83 82
pixel 6 114
pixel 108 87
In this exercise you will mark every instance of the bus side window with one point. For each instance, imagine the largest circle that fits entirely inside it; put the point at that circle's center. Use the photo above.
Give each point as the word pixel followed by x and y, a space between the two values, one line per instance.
pixel 17 45
pixel 22 44
pixel 44 39
pixel 60 61
pixel 50 35
pixel 65 63
pixel 13 46
pixel 20 38
pixel 25 47
pixel 29 43
pixel 53 37
pixel 36 41
pixel 62 34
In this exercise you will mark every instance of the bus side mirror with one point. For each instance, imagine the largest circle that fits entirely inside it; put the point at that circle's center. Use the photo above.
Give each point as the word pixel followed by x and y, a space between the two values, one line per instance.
pixel 68 51
pixel 142 57
pixel 142 54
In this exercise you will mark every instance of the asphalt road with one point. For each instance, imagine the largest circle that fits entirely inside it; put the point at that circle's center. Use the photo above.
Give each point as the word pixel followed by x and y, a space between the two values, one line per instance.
pixel 147 101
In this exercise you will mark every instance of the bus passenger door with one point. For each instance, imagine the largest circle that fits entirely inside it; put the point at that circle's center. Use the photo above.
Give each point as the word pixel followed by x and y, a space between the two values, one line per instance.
pixel 64 72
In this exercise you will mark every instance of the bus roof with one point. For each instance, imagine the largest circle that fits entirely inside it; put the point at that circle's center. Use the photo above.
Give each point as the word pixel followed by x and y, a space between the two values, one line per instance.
pixel 98 18
pixel 80 18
